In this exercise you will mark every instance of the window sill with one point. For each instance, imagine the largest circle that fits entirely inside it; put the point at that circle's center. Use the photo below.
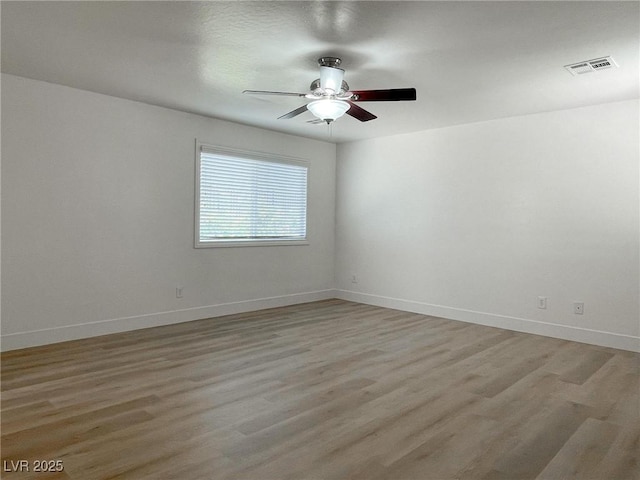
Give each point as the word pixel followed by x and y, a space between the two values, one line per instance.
pixel 250 243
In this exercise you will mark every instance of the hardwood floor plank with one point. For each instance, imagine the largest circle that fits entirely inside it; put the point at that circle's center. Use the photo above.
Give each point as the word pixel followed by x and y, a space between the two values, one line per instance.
pixel 325 390
pixel 286 410
pixel 582 453
pixel 588 366
pixel 623 457
pixel 446 454
pixel 47 438
pixel 541 438
pixel 508 376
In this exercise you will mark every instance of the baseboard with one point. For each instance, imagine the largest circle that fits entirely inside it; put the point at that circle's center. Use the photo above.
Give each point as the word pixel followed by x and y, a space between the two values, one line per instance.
pixel 65 333
pixel 565 332
pixel 48 336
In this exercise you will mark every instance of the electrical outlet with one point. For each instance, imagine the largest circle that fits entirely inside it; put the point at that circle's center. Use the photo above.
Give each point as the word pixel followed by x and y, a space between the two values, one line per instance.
pixel 542 302
pixel 578 308
pixel 354 279
pixel 179 292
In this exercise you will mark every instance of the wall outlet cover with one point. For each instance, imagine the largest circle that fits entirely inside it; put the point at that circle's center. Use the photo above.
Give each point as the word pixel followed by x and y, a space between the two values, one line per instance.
pixel 542 302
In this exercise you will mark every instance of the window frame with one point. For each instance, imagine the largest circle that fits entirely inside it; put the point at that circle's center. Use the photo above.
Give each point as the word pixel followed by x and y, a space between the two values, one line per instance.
pixel 249 155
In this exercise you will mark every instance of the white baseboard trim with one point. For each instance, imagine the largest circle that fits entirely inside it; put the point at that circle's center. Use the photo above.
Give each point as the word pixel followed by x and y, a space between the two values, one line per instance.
pixel 14 341
pixel 65 333
pixel 565 332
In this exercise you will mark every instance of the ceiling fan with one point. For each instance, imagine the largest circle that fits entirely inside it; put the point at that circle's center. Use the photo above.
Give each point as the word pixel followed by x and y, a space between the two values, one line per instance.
pixel 332 98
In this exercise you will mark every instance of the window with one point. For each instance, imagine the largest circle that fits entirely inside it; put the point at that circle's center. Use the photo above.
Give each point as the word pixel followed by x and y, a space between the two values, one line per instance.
pixel 249 198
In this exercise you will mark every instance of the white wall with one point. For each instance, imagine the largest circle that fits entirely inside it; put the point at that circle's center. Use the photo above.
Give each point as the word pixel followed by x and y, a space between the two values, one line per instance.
pixel 475 222
pixel 97 218
pixel 470 222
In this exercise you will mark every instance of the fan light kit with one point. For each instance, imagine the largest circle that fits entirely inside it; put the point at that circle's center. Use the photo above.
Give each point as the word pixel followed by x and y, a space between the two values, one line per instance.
pixel 328 110
pixel 332 98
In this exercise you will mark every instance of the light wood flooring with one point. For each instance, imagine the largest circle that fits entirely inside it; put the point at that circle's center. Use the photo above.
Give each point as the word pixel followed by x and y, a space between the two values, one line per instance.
pixel 325 390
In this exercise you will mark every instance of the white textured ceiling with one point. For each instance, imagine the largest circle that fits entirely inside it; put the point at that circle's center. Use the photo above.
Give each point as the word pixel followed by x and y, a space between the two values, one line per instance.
pixel 469 61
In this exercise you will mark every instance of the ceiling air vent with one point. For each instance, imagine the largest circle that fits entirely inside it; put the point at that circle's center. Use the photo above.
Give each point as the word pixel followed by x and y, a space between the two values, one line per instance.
pixel 589 66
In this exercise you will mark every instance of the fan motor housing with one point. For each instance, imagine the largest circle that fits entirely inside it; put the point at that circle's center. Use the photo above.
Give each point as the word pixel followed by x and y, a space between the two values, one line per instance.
pixel 316 89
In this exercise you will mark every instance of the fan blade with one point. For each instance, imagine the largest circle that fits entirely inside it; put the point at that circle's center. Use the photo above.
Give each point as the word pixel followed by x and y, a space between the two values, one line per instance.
pixel 265 92
pixel 394 94
pixel 294 113
pixel 360 113
pixel 317 121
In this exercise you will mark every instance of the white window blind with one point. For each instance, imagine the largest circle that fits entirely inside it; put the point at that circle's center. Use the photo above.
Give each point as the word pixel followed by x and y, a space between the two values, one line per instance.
pixel 249 200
